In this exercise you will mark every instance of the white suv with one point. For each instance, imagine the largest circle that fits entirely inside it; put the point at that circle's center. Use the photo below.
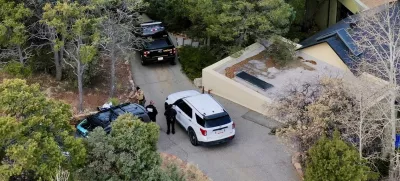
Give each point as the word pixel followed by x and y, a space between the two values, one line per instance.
pixel 204 119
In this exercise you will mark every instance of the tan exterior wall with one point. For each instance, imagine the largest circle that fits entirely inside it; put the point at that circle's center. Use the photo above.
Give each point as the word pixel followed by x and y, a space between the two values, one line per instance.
pixel 353 5
pixel 229 89
pixel 325 53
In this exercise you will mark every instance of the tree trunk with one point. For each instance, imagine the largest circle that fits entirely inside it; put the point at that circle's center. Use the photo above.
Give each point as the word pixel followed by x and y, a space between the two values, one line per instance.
pixel 57 63
pixel 113 61
pixel 80 87
pixel 240 40
pixel 208 40
pixel 20 55
pixel 62 53
pixel 56 52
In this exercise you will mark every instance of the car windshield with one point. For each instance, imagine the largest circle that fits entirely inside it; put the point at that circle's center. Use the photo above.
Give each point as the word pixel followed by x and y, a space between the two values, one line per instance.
pixel 210 123
pixel 157 44
pixel 133 109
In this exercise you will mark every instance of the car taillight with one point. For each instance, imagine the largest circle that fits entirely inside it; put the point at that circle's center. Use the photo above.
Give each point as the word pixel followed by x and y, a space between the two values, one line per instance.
pixel 173 50
pixel 146 53
pixel 203 132
pixel 233 125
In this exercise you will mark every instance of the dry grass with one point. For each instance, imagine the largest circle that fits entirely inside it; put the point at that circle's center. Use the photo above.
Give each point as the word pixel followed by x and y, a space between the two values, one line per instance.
pixel 94 95
pixel 230 71
pixel 269 63
pixel 190 171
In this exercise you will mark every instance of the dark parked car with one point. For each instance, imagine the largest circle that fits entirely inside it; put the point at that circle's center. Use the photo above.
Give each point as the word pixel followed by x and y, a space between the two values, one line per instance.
pixel 104 118
pixel 160 48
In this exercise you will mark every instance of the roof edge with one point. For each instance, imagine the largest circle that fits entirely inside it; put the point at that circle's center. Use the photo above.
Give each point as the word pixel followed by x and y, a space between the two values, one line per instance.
pixel 362 5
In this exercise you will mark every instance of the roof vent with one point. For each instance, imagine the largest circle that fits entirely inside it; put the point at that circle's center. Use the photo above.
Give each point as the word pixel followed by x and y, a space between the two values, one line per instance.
pixel 254 80
pixel 348 41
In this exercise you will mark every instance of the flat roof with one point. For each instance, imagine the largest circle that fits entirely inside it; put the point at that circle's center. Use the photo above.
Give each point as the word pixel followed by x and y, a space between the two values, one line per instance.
pixel 205 104
pixel 305 69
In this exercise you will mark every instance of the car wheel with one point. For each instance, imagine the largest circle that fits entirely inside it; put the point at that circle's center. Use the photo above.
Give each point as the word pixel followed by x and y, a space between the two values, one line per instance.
pixel 141 61
pixel 193 137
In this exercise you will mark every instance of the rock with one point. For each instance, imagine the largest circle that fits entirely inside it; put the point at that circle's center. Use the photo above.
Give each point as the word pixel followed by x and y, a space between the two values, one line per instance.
pixel 273 131
pixel 296 163
pixel 297 166
pixel 198 82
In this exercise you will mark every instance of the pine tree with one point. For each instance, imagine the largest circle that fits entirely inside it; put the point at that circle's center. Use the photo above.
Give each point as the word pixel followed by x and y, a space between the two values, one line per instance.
pixel 35 135
pixel 13 32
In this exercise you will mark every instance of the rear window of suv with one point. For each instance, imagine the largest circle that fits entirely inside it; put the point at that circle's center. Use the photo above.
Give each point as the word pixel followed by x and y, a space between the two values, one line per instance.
pixel 210 123
pixel 157 44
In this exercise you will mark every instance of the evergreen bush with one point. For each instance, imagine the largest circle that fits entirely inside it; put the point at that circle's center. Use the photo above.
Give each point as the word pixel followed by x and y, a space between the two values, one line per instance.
pixel 335 160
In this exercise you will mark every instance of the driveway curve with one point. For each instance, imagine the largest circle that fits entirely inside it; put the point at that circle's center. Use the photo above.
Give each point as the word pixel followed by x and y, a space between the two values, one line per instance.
pixel 252 155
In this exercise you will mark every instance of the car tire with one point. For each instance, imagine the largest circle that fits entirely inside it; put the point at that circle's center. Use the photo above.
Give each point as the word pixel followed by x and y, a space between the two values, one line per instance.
pixel 193 137
pixel 142 61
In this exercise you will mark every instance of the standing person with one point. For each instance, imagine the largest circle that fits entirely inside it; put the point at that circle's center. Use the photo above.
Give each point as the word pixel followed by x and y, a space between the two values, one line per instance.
pixel 170 115
pixel 152 111
pixel 139 96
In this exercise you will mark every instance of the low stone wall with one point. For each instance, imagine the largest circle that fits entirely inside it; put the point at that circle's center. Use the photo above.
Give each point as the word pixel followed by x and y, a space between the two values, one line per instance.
pixel 184 40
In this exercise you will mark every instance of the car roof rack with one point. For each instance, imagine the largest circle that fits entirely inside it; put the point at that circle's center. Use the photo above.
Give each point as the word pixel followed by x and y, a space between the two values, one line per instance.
pixel 152 28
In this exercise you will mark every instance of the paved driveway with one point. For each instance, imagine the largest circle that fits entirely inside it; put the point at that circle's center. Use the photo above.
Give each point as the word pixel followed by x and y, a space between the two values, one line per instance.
pixel 252 155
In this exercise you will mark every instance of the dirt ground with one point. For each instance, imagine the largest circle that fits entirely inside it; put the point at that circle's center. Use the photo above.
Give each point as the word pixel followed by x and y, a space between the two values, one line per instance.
pixel 269 63
pixel 94 95
pixel 230 71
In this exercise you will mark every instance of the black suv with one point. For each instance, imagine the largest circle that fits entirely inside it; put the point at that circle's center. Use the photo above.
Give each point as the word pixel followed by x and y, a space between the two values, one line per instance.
pixel 160 48
pixel 104 118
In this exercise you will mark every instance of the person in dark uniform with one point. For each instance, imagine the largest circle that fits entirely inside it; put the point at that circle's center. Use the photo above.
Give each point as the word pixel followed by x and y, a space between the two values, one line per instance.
pixel 152 111
pixel 170 115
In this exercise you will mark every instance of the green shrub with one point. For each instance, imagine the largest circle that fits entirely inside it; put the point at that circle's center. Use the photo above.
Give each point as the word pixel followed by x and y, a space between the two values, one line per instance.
pixel 129 152
pixel 17 69
pixel 335 160
pixel 114 101
pixel 193 60
pixel 281 52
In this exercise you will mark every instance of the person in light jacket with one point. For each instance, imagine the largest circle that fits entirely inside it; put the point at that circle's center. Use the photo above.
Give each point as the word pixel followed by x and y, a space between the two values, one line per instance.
pixel 138 96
